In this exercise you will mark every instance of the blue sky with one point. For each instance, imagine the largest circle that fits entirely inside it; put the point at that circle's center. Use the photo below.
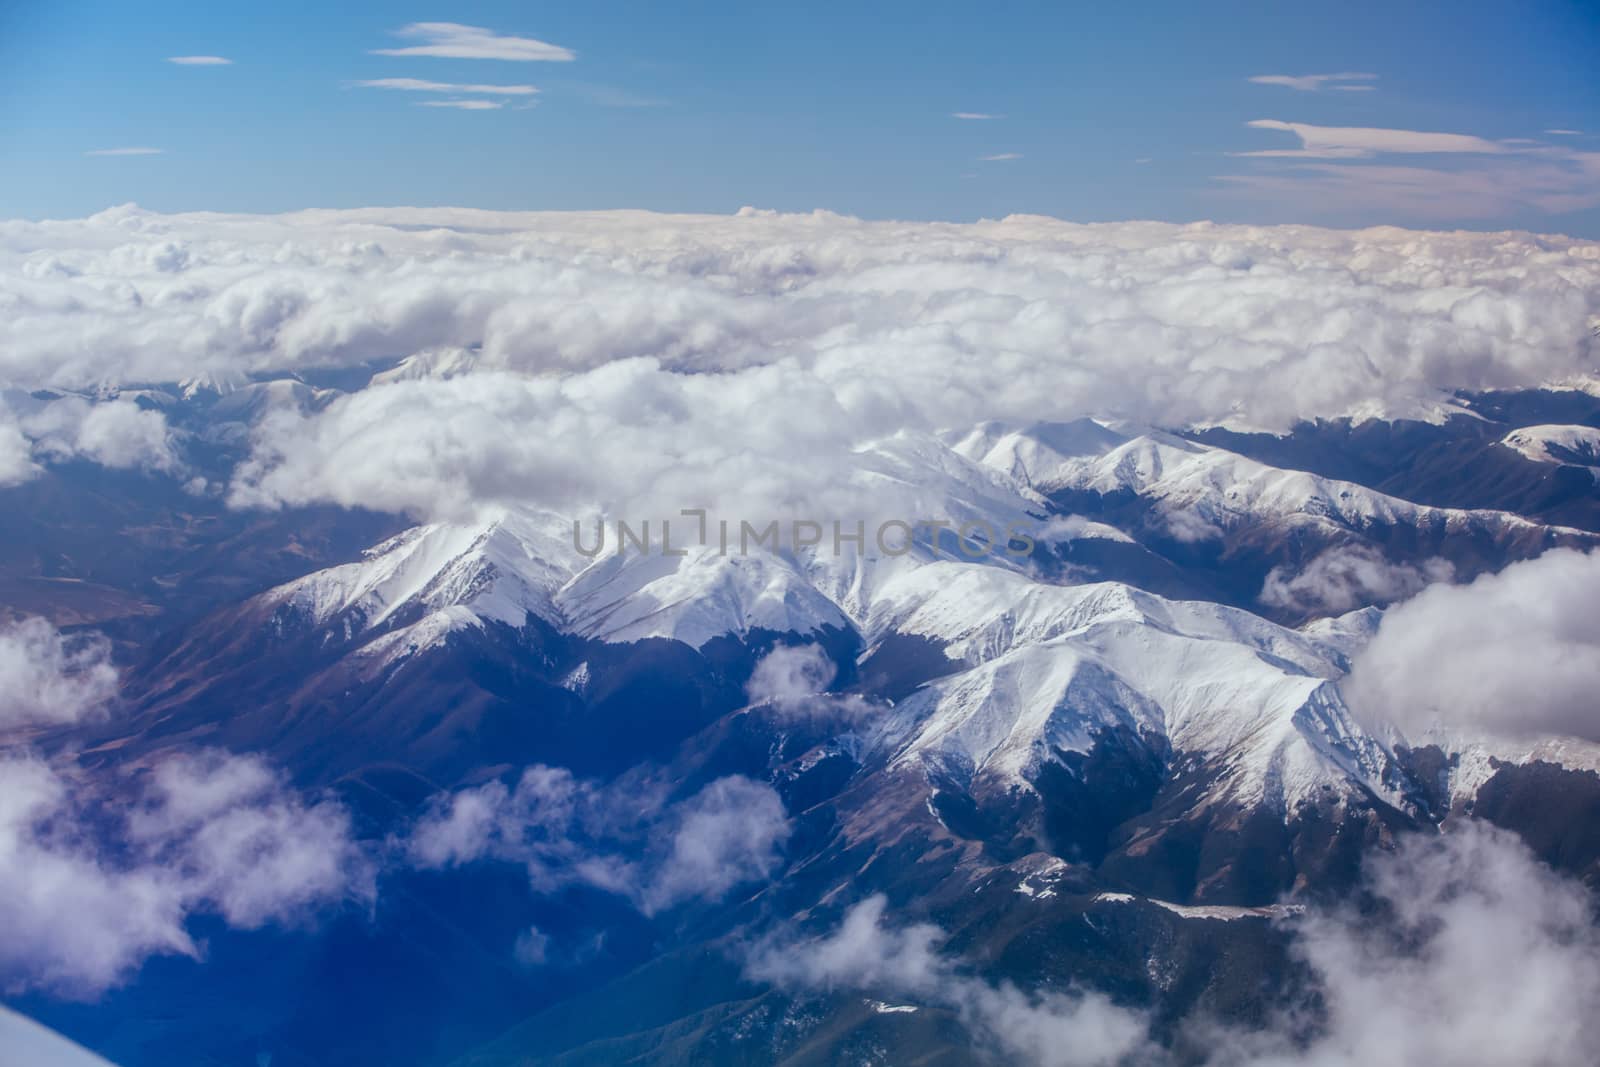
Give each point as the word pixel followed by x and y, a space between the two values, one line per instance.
pixel 1102 112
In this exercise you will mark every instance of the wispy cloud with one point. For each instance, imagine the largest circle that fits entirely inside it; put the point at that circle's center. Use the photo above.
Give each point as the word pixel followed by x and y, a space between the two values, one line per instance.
pixel 135 151
pixel 1565 133
pixel 1470 177
pixel 1000 157
pixel 417 85
pixel 1488 189
pixel 452 40
pixel 1361 142
pixel 612 96
pixel 200 61
pixel 1349 82
pixel 976 116
pixel 464 105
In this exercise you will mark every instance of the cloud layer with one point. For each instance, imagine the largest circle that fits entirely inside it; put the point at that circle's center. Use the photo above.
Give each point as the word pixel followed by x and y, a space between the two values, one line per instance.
pixel 579 356
pixel 1513 655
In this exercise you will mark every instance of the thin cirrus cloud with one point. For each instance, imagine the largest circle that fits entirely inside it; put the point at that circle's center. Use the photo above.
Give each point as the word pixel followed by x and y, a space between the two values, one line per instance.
pixel 200 61
pixel 1339 169
pixel 974 116
pixel 130 151
pixel 452 40
pixel 1349 82
pixel 464 105
pixel 1361 142
pixel 1565 133
pixel 1000 157
pixel 418 85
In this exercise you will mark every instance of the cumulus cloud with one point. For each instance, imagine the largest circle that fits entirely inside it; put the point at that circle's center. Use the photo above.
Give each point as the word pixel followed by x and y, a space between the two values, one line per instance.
pixel 730 833
pixel 869 955
pixel 1425 980
pixel 1419 977
pixel 628 841
pixel 90 885
pixel 452 40
pixel 116 433
pixel 791 674
pixel 16 452
pixel 47 677
pixel 604 351
pixel 1345 577
pixel 1512 655
pixel 1310 83
pixel 243 842
pixel 792 681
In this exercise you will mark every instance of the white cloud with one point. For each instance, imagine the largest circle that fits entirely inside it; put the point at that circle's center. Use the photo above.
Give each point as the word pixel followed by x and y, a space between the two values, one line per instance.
pixel 1000 157
pixel 418 85
pixel 974 116
pixel 1423 979
pixel 136 151
pixel 1511 655
pixel 1565 133
pixel 1341 142
pixel 114 433
pixel 791 674
pixel 614 358
pixel 48 677
pixel 16 452
pixel 1471 177
pixel 730 833
pixel 1310 83
pixel 1345 577
pixel 244 843
pixel 868 955
pixel 452 40
pixel 200 61
pixel 532 948
pixel 463 105
pixel 792 681
pixel 622 839
pixel 91 884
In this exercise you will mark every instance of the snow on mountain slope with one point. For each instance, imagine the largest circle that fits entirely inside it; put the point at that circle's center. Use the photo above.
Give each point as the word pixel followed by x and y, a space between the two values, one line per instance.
pixel 1053 666
pixel 1577 445
pixel 1032 454
pixel 694 598
pixel 502 569
pixel 982 612
pixel 442 577
pixel 1006 716
pixel 1201 489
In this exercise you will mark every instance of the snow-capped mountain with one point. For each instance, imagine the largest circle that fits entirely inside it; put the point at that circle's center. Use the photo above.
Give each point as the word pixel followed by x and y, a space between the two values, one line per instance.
pixel 1576 445
pixel 1101 743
